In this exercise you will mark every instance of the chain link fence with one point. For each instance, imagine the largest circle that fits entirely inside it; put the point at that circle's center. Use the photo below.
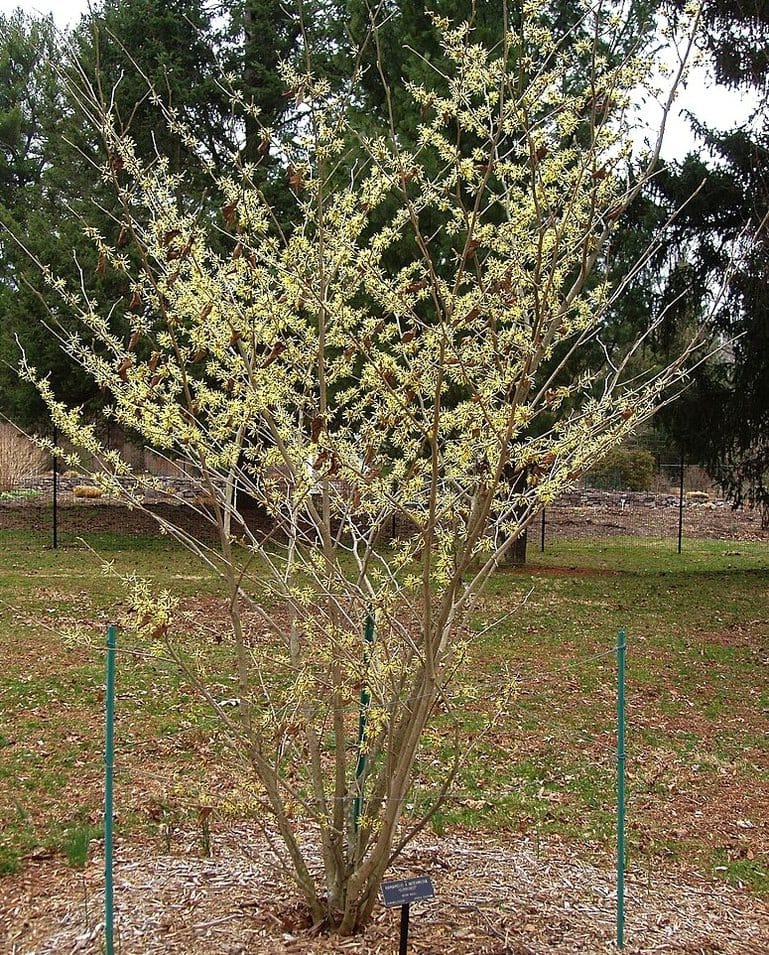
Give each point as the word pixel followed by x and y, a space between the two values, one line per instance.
pixel 677 501
pixel 680 503
pixel 38 494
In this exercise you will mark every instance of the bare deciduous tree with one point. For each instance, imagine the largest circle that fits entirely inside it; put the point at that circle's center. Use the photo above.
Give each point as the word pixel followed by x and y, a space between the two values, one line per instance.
pixel 293 363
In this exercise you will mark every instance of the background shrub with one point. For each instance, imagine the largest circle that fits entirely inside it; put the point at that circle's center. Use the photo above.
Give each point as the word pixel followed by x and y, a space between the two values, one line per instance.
pixel 624 469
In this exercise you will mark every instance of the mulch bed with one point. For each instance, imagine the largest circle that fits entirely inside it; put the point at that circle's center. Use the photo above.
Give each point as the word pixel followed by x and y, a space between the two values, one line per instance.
pixel 499 896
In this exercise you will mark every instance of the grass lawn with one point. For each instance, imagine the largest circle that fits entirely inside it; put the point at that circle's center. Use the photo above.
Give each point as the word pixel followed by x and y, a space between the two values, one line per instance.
pixel 698 704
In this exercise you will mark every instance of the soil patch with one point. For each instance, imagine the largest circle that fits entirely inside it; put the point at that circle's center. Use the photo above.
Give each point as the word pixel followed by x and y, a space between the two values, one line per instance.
pixel 563 521
pixel 700 521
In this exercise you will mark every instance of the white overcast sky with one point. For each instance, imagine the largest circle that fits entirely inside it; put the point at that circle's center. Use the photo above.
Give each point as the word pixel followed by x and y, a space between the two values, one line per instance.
pixel 715 106
pixel 64 11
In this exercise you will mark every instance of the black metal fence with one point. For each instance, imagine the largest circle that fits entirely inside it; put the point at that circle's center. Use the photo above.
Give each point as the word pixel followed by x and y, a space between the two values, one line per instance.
pixel 668 517
pixel 680 503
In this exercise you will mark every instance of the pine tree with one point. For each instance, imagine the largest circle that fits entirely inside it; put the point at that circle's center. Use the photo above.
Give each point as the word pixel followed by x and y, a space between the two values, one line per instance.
pixel 724 419
pixel 32 116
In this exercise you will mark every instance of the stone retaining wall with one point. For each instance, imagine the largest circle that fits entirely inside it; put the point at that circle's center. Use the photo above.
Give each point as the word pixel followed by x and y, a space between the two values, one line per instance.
pixel 166 489
pixel 185 488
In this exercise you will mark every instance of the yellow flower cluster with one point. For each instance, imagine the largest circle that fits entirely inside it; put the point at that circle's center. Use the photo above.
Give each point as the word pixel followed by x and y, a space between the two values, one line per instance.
pixel 395 353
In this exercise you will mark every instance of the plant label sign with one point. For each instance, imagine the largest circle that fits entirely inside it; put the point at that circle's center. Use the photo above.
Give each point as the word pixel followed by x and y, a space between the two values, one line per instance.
pixel 406 891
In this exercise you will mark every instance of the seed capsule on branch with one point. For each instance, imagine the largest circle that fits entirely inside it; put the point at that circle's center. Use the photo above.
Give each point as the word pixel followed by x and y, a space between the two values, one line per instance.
pixel 277 349
pixel 295 179
pixel 318 427
pixel 418 286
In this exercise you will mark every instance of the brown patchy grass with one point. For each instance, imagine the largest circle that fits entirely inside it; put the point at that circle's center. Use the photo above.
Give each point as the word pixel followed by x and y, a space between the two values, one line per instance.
pixel 698 714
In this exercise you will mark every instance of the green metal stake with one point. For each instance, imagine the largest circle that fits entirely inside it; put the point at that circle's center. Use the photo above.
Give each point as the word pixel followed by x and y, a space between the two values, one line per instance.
pixel 109 753
pixel 365 700
pixel 621 647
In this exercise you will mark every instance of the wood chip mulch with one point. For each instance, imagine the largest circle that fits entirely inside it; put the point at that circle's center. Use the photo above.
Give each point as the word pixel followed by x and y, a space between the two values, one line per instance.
pixel 494 896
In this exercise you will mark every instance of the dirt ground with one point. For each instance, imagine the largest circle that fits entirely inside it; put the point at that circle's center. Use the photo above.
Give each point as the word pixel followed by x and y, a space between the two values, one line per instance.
pixel 715 521
pixel 492 897
pixel 80 517
pixel 700 521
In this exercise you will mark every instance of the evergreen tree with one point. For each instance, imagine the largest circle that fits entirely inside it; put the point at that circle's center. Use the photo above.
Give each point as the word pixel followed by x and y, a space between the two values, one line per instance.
pixel 32 115
pixel 50 161
pixel 724 419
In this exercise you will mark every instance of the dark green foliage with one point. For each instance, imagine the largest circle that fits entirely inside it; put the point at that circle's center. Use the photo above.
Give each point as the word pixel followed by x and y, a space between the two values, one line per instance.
pixel 50 158
pixel 128 46
pixel 34 117
pixel 26 88
pixel 723 420
pixel 624 469
pixel 737 37
pixel 180 48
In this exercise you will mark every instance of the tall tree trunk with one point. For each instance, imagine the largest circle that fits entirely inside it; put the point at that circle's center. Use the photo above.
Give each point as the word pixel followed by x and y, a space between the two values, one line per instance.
pixel 516 556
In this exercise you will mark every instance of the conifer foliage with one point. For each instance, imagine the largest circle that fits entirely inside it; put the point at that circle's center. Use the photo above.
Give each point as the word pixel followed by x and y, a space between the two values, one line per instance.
pixel 724 419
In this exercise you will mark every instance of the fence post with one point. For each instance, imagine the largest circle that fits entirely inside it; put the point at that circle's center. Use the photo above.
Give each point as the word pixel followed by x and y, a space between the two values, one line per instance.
pixel 109 758
pixel 542 534
pixel 681 506
pixel 621 646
